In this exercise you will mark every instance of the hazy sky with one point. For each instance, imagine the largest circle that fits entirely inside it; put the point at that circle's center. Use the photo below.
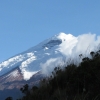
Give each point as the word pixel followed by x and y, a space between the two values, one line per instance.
pixel 25 23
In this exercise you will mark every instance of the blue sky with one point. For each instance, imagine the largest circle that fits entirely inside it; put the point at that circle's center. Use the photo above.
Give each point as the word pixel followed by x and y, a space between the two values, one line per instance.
pixel 25 23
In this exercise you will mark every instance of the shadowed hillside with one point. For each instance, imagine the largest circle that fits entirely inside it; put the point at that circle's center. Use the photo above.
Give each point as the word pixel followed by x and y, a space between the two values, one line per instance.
pixel 70 83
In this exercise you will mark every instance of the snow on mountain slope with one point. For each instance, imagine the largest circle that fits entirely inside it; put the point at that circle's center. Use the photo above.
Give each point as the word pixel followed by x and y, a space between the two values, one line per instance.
pixel 50 53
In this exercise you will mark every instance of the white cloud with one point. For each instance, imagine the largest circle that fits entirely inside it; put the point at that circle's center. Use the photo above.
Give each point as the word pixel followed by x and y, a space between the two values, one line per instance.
pixel 70 48
pixel 50 64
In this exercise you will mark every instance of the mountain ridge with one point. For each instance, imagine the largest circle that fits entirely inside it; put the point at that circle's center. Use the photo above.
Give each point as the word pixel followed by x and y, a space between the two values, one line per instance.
pixel 26 57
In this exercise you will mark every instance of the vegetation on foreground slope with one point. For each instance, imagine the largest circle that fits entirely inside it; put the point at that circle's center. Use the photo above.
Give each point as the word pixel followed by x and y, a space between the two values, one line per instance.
pixel 71 83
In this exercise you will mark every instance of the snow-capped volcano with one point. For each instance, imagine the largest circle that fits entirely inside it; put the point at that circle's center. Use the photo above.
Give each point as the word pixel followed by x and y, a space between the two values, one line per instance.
pixel 30 61
pixel 49 52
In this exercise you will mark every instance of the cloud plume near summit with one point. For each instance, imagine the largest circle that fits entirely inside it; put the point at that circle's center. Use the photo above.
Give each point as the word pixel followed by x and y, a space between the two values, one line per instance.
pixel 70 48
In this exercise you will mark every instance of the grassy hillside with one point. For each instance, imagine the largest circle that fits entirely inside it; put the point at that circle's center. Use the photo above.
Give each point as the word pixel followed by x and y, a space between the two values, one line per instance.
pixel 71 83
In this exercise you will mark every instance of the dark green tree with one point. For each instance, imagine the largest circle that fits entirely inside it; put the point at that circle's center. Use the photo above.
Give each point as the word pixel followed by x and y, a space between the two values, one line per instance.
pixel 25 89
